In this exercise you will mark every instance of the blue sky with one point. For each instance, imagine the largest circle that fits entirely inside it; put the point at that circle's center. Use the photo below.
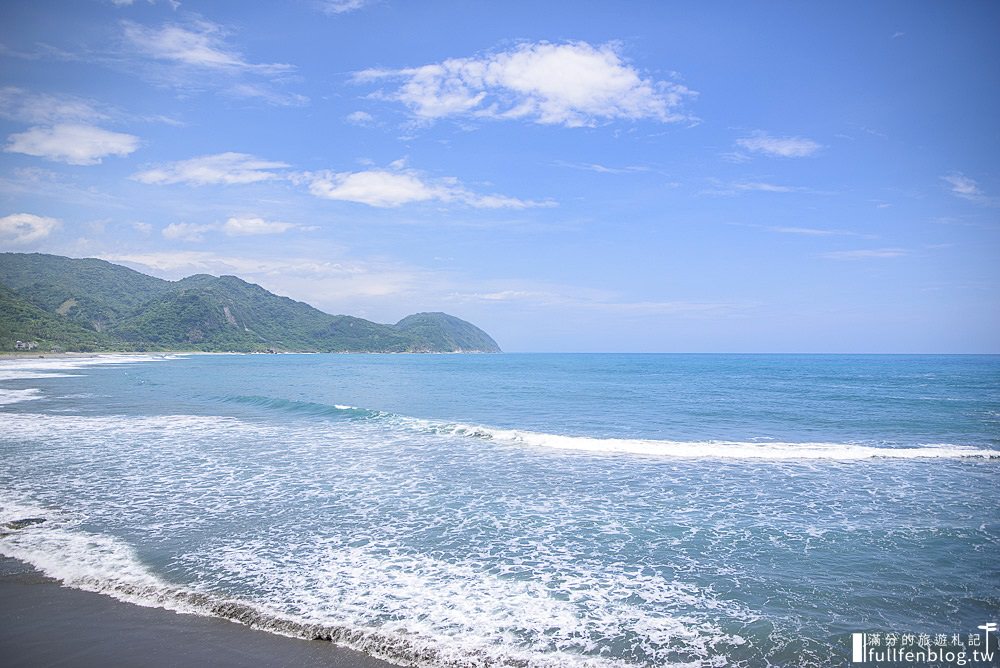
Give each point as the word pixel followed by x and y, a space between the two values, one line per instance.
pixel 570 176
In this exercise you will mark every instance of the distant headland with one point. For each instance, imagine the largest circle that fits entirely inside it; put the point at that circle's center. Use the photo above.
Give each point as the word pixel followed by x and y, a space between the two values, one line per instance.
pixel 50 303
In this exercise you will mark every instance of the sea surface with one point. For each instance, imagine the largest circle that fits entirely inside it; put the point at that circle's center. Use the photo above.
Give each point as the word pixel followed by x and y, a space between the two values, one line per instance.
pixel 520 510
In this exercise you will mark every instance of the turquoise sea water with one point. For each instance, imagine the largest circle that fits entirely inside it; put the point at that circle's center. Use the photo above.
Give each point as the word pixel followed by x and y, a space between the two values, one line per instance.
pixel 521 510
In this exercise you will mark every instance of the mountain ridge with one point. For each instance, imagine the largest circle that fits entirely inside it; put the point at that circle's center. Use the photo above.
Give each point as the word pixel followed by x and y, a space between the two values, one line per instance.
pixel 63 303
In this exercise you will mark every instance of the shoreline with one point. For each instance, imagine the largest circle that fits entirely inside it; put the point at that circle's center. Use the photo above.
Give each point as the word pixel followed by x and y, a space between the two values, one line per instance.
pixel 34 355
pixel 45 623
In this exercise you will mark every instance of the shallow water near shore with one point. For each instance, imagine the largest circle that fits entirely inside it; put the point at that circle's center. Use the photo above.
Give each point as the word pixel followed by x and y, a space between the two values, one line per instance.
pixel 522 510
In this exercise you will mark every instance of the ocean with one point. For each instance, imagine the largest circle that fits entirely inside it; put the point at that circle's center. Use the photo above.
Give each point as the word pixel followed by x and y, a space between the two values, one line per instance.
pixel 522 510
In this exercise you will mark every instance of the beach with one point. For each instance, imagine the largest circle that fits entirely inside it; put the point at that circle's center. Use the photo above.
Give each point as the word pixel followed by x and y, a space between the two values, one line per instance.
pixel 43 623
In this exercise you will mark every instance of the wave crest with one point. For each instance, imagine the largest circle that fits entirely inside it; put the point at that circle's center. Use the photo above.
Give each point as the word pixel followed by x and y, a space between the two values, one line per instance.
pixel 707 449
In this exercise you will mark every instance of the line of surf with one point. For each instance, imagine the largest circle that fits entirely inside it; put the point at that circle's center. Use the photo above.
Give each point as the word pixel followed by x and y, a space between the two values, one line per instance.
pixel 706 449
pixel 56 367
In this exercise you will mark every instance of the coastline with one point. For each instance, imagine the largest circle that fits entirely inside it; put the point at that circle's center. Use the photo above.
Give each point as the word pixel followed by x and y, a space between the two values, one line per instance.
pixel 43 623
pixel 34 355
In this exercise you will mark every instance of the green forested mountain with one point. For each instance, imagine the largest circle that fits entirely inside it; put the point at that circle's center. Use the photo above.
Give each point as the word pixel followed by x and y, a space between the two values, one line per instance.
pixel 91 305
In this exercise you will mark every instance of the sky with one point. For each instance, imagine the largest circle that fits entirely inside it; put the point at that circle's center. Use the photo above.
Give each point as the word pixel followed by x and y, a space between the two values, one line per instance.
pixel 570 176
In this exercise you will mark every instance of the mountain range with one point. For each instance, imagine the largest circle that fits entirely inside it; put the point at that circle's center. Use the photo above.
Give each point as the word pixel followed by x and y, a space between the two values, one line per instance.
pixel 61 303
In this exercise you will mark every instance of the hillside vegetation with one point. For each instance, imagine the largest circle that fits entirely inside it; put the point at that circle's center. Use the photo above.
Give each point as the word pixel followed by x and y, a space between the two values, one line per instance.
pixel 92 305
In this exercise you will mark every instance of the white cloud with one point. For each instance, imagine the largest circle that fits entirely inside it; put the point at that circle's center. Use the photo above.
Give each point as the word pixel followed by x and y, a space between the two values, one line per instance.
pixel 334 285
pixel 375 188
pixel 359 118
pixel 235 226
pixel 180 263
pixel 195 56
pixel 602 169
pixel 581 299
pixel 807 231
pixel 735 157
pixel 250 225
pixel 276 98
pixel 764 187
pixel 23 228
pixel 385 188
pixel 72 143
pixel 343 6
pixel 721 189
pixel 202 45
pixel 21 105
pixel 221 168
pixel 174 263
pixel 143 228
pixel 174 4
pixel 573 84
pixel 866 254
pixel 784 147
pixel 186 231
pixel 964 187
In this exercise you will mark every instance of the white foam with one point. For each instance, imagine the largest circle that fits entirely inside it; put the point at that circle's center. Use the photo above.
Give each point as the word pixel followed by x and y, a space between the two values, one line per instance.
pixel 465 616
pixel 714 449
pixel 25 374
pixel 422 594
pixel 528 593
pixel 49 367
pixel 8 397
pixel 80 559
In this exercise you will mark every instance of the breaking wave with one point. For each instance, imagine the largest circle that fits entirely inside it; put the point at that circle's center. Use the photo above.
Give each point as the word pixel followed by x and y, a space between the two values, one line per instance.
pixel 707 449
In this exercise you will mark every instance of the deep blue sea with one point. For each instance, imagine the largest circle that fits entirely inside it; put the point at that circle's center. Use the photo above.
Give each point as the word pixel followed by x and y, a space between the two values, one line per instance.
pixel 521 510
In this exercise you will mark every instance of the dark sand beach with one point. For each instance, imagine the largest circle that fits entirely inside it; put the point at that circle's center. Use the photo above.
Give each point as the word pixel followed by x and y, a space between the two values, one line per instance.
pixel 45 624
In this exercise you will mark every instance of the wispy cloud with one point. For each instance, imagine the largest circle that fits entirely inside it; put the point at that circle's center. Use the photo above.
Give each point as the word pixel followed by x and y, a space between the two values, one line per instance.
pixel 267 94
pixel 72 143
pixel 22 105
pixel 802 231
pixel 572 84
pixel 197 56
pixel 584 300
pixel 536 296
pixel 602 169
pixel 721 189
pixel 360 118
pixel 25 228
pixel 330 284
pixel 397 186
pixel 235 226
pixel 241 226
pixel 388 187
pixel 335 7
pixel 764 187
pixel 174 4
pixel 201 45
pixel 783 147
pixel 811 231
pixel 27 106
pixel 186 231
pixel 62 187
pixel 966 188
pixel 866 254
pixel 221 168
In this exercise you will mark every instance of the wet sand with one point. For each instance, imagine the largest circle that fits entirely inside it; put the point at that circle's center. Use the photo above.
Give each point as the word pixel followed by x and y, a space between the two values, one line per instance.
pixel 45 624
